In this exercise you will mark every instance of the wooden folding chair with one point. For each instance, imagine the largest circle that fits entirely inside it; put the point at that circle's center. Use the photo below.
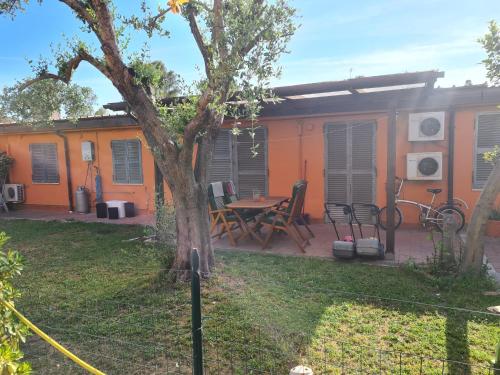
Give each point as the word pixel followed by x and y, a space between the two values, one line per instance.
pixel 285 218
pixel 221 216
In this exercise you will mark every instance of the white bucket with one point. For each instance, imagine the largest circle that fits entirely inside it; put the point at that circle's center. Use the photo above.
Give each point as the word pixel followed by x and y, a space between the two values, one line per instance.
pixel 118 204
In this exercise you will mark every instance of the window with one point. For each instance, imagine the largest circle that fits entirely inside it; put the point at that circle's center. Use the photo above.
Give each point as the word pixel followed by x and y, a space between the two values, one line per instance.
pixel 487 136
pixel 127 161
pixel 44 165
pixel 232 160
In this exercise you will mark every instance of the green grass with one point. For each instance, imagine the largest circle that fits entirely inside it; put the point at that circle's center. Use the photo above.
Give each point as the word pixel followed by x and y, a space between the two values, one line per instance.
pixel 106 299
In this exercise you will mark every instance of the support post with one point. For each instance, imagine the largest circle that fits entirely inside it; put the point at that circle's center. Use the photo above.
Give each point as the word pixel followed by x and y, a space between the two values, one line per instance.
pixel 451 154
pixel 196 314
pixel 391 181
pixel 69 184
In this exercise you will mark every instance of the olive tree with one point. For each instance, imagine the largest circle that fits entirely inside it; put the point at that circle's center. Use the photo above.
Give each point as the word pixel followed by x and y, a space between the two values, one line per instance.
pixel 240 42
pixel 474 244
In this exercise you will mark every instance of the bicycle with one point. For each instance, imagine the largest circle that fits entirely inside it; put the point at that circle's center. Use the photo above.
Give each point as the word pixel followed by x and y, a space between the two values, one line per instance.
pixel 429 214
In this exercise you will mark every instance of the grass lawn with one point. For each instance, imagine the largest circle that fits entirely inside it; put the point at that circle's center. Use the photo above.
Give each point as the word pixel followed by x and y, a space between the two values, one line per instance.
pixel 106 299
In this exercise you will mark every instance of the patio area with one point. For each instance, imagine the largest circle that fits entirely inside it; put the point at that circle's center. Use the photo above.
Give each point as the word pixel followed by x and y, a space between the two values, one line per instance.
pixel 46 214
pixel 411 244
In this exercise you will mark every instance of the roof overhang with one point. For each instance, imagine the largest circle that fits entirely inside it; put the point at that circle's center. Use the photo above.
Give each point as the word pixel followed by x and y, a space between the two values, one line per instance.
pixel 87 123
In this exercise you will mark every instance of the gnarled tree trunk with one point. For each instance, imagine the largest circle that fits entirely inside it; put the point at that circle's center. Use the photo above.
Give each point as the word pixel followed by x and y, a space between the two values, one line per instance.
pixel 474 244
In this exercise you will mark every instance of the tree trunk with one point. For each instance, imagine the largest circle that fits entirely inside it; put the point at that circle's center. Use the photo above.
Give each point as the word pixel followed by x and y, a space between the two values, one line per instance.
pixel 474 244
pixel 192 227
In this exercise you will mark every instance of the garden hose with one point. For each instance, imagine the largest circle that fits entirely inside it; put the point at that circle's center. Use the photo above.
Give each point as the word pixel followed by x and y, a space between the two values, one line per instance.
pixel 51 341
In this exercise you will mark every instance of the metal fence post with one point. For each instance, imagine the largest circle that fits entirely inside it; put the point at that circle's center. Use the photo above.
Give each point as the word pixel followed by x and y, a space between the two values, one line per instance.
pixel 196 314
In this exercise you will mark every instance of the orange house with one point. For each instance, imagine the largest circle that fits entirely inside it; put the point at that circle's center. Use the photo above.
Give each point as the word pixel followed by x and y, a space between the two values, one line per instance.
pixel 334 134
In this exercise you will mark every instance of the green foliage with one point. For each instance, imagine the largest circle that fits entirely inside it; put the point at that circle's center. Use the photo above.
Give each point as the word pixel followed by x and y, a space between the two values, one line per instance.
pixel 157 80
pixel 491 44
pixel 5 162
pixel 12 332
pixel 37 104
pixel 175 117
pixel 492 156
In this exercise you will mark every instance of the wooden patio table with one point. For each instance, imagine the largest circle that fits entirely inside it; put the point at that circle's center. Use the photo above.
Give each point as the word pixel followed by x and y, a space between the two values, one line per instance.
pixel 263 203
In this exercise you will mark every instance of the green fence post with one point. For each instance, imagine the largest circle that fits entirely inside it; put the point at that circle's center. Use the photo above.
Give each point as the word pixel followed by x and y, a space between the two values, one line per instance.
pixel 196 314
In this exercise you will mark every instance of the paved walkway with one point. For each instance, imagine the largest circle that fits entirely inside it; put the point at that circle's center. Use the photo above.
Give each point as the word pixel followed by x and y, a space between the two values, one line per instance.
pixel 413 244
pixel 60 215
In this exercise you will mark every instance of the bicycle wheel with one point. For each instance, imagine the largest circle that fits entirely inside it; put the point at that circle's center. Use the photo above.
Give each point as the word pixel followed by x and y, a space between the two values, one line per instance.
pixel 457 214
pixel 382 217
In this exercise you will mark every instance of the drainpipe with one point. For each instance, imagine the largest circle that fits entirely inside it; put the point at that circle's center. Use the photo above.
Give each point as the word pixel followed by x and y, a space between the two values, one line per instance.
pixel 68 169
pixel 451 153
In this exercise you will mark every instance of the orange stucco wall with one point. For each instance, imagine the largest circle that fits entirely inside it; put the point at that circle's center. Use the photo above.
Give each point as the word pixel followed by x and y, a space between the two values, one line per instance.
pixel 295 150
pixel 17 145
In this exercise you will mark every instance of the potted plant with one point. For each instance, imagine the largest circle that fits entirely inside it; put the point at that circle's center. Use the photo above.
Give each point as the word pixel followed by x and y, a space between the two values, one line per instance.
pixel 493 226
pixel 5 163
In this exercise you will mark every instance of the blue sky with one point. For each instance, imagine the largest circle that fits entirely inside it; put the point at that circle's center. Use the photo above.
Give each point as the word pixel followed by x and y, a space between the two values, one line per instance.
pixel 336 40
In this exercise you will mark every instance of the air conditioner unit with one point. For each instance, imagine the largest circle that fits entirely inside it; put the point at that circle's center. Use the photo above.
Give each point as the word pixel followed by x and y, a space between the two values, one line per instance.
pixel 424 166
pixel 13 193
pixel 428 126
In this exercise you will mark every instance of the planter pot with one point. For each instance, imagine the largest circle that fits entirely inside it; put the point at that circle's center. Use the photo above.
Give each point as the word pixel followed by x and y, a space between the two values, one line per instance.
pixel 493 228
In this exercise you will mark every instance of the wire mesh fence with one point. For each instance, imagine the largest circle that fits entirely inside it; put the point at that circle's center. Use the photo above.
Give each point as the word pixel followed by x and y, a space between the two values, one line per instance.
pixel 144 338
pixel 116 338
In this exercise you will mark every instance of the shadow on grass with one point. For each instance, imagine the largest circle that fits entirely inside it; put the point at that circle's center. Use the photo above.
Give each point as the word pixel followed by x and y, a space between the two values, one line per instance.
pixel 457 344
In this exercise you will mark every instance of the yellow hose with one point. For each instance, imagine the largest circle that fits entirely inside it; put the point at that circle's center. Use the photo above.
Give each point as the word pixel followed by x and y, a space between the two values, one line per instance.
pixel 51 341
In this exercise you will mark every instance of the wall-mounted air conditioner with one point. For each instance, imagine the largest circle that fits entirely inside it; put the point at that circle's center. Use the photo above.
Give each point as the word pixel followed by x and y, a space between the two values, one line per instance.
pixel 428 126
pixel 13 193
pixel 424 166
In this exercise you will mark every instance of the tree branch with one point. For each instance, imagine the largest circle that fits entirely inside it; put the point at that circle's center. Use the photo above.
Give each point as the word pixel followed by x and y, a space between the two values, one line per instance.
pixel 70 66
pixel 218 30
pixel 198 37
pixel 81 10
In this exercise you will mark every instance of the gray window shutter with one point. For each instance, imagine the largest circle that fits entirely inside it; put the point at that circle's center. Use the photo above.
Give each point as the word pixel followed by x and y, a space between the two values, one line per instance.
pixel 221 166
pixel 119 154
pixel 127 161
pixel 350 163
pixel 363 162
pixel 252 170
pixel 134 161
pixel 487 137
pixel 336 168
pixel 44 163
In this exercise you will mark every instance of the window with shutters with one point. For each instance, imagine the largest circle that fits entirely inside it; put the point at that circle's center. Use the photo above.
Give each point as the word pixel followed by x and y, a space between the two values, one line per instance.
pixel 127 161
pixel 487 136
pixel 44 164
pixel 350 172
pixel 232 160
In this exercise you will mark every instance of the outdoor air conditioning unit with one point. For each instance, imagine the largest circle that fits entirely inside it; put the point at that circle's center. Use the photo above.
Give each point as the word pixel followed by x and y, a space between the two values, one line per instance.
pixel 13 193
pixel 428 126
pixel 424 166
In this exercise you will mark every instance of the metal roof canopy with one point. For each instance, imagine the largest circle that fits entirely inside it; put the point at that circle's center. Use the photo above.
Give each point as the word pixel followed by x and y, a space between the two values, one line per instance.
pixel 428 78
pixel 388 81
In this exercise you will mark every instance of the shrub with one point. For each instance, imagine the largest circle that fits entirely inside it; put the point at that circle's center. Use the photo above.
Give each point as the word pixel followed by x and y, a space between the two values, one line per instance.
pixel 12 332
pixel 5 163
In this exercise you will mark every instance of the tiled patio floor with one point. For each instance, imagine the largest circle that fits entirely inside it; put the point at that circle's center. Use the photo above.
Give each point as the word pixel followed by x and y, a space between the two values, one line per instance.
pixel 410 243
pixel 60 215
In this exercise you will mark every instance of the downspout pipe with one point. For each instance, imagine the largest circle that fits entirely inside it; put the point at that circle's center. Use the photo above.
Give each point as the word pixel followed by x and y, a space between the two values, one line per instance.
pixel 451 154
pixel 68 169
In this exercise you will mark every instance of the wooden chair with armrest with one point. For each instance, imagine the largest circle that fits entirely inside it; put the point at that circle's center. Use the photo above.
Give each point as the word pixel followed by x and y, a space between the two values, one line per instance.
pixel 285 217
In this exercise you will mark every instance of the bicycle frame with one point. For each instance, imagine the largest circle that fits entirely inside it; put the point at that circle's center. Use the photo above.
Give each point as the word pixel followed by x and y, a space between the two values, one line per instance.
pixel 431 213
